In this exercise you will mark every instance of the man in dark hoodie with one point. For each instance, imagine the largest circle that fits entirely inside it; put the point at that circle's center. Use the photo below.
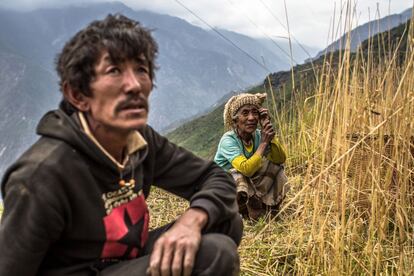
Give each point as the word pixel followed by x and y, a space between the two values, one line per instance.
pixel 74 203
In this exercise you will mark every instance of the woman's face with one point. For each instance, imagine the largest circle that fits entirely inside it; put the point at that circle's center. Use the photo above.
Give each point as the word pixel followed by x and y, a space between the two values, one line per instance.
pixel 247 118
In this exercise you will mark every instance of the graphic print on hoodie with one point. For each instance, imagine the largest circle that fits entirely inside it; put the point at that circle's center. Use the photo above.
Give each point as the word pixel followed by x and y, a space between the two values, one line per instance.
pixel 126 224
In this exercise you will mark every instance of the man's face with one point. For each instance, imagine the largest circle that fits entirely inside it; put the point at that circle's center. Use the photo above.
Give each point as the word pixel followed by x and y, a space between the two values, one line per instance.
pixel 120 94
pixel 247 119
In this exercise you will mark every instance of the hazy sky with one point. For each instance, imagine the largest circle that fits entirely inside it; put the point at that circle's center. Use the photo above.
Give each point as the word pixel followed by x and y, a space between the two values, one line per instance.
pixel 310 21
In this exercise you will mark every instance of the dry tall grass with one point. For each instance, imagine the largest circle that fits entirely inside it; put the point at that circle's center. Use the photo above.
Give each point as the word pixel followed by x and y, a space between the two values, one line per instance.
pixel 350 210
pixel 351 146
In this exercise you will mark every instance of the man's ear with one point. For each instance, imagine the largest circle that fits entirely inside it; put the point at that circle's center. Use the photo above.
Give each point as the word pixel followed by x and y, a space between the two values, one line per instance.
pixel 77 99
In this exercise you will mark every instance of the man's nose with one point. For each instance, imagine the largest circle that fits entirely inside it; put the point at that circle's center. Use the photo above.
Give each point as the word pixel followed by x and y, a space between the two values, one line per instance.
pixel 131 81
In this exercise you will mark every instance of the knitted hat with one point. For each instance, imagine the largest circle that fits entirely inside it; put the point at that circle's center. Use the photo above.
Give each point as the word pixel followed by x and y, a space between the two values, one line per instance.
pixel 236 102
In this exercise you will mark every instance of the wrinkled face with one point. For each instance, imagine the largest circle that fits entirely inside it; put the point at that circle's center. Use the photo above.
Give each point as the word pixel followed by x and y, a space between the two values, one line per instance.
pixel 120 94
pixel 247 119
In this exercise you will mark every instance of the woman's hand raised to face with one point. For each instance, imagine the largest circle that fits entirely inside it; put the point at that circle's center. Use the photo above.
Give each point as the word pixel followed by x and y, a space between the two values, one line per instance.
pixel 264 114
pixel 267 131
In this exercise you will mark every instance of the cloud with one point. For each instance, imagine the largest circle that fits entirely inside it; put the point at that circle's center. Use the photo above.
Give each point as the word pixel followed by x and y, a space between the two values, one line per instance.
pixel 309 20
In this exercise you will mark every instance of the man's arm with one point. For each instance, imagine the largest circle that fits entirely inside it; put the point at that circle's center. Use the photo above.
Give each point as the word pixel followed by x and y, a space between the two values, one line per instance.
pixel 28 225
pixel 211 192
pixel 202 182
pixel 175 251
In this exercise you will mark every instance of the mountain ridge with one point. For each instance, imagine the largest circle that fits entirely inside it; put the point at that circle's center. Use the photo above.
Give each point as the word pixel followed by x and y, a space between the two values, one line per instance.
pixel 201 135
pixel 179 41
pixel 371 28
pixel 196 67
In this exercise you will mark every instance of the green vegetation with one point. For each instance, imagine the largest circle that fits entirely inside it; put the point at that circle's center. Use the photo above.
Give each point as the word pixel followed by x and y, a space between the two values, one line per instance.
pixel 201 135
pixel 347 123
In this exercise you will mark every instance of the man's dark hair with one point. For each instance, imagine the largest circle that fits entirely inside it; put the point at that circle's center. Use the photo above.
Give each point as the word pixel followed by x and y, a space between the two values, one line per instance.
pixel 123 38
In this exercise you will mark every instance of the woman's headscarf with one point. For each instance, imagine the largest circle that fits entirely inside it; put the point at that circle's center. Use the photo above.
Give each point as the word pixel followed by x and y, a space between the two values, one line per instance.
pixel 236 102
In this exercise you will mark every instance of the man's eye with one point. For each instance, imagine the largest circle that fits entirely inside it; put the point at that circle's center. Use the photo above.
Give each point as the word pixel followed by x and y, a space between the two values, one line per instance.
pixel 113 70
pixel 142 69
pixel 245 113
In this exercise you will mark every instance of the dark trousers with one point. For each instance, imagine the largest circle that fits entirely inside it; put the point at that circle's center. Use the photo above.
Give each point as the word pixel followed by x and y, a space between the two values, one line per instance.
pixel 216 256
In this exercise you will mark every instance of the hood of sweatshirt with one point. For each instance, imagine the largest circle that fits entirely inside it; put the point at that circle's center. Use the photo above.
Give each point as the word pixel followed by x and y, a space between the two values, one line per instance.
pixel 57 124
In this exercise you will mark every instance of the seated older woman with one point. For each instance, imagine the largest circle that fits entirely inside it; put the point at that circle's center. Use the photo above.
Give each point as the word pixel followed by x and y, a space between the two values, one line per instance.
pixel 253 157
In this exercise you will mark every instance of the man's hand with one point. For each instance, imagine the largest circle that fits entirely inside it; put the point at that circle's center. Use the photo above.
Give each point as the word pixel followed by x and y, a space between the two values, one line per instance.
pixel 174 252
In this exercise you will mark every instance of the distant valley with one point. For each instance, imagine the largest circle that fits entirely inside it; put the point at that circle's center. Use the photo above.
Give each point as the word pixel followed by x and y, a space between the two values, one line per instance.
pixel 197 67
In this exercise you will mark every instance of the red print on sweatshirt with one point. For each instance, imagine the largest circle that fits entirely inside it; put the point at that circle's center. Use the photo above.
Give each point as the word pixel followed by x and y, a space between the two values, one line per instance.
pixel 126 229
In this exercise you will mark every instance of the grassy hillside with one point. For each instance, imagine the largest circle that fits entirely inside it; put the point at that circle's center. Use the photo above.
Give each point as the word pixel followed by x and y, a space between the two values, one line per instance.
pixel 394 41
pixel 347 123
pixel 202 135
